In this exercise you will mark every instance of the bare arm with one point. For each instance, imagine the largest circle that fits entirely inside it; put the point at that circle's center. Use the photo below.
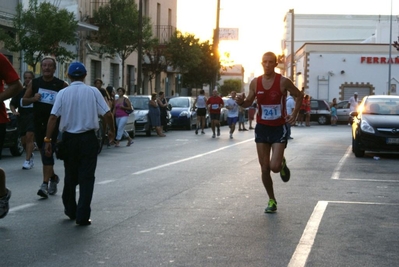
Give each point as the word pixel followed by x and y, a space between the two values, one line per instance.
pixel 28 99
pixel 287 85
pixel 245 102
pixel 52 121
pixel 13 89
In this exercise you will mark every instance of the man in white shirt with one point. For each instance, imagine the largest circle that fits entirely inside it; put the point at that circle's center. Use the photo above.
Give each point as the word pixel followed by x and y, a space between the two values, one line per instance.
pixel 232 115
pixel 353 103
pixel 79 106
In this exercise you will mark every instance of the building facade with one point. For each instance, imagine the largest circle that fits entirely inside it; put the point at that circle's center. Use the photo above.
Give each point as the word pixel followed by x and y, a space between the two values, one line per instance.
pixel 106 67
pixel 331 54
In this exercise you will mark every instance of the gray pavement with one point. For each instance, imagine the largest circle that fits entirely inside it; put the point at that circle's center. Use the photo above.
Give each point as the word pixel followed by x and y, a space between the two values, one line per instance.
pixel 188 200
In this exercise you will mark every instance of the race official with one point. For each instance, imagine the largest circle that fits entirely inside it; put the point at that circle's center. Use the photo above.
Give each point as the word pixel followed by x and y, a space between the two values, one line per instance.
pixel 79 106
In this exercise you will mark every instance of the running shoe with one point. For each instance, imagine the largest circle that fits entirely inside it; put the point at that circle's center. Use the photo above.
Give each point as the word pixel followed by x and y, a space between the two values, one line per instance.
pixel 213 136
pixel 202 132
pixel 4 206
pixel 231 136
pixel 52 190
pixel 27 165
pixel 218 132
pixel 285 172
pixel 43 191
pixel 271 207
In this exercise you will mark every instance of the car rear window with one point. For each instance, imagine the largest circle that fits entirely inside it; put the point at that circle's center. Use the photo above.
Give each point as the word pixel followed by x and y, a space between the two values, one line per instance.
pixel 140 103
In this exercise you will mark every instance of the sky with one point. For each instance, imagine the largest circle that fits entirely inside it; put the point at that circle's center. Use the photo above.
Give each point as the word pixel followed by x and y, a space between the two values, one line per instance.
pixel 260 22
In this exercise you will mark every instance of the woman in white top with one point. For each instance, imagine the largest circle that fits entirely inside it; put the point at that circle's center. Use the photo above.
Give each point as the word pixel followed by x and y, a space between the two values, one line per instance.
pixel 200 105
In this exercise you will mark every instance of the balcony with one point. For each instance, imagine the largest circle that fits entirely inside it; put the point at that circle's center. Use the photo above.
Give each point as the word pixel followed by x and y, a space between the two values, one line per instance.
pixel 163 33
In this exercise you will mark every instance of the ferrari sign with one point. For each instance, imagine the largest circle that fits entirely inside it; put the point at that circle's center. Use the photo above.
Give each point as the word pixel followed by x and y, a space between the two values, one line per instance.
pixel 228 34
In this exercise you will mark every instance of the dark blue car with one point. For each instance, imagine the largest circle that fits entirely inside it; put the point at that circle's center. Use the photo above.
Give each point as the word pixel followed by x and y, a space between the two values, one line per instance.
pixel 182 114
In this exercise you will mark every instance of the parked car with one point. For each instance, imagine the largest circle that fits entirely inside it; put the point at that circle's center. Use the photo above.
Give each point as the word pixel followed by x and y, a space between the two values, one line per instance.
pixel 140 106
pixel 320 111
pixel 343 111
pixel 182 114
pixel 375 125
pixel 12 139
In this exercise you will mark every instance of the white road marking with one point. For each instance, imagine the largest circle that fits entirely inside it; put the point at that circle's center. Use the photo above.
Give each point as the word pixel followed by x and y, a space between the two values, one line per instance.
pixel 191 158
pixel 337 170
pixel 21 207
pixel 106 182
pixel 305 244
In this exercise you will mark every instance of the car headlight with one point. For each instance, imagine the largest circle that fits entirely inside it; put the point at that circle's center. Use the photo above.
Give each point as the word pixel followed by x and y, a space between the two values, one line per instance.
pixel 366 127
pixel 184 114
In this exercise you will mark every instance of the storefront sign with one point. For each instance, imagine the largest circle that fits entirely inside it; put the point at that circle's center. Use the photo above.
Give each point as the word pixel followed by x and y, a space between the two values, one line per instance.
pixel 379 60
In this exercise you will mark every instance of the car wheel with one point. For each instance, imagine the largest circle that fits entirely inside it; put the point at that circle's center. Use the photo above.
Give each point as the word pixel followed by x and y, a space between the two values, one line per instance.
pixel 100 138
pixel 322 120
pixel 356 149
pixel 17 149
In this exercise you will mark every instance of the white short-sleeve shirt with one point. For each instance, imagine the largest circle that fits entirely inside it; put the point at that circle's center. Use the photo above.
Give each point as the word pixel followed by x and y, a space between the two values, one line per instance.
pixel 79 106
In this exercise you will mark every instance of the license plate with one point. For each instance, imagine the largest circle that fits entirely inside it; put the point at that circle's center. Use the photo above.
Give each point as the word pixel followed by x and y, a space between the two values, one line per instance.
pixel 392 140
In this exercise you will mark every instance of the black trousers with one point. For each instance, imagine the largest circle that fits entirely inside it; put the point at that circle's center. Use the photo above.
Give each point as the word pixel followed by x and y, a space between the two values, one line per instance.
pixel 80 165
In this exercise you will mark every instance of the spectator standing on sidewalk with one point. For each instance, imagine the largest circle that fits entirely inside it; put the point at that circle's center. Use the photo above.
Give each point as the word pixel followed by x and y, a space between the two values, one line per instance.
pixel 270 90
pixel 10 77
pixel 353 103
pixel 42 92
pixel 25 122
pixel 79 140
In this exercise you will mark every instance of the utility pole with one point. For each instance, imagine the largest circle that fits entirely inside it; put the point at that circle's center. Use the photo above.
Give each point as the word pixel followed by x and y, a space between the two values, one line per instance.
pixel 390 52
pixel 140 51
pixel 215 46
pixel 292 44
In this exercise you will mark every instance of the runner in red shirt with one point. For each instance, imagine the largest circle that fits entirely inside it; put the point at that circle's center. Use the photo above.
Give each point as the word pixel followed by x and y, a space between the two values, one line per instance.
pixel 10 77
pixel 271 134
pixel 214 104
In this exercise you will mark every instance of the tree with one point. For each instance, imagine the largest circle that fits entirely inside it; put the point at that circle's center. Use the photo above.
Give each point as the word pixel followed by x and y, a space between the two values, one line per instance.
pixel 231 85
pixel 204 72
pixel 194 59
pixel 39 31
pixel 118 33
pixel 154 63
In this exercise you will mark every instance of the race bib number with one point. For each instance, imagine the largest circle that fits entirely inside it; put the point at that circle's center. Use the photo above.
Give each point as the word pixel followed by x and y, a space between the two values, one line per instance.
pixel 271 112
pixel 47 96
pixel 215 106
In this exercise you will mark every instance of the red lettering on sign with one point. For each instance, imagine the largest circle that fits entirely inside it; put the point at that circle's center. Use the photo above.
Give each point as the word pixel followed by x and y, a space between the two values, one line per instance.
pixel 375 60
pixel 362 59
pixel 383 60
pixel 369 60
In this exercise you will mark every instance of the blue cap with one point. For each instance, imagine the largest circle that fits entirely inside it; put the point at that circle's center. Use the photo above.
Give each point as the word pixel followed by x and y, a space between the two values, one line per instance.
pixel 77 69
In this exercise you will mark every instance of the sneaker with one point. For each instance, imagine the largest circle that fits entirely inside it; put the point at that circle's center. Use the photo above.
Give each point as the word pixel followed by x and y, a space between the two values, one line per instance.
pixel 218 132
pixel 52 190
pixel 43 191
pixel 231 136
pixel 213 136
pixel 202 132
pixel 4 207
pixel 271 206
pixel 240 129
pixel 196 131
pixel 27 165
pixel 285 172
pixel 31 160
pixel 245 129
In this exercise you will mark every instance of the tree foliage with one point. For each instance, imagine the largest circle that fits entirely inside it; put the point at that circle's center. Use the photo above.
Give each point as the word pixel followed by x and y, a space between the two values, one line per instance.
pixel 40 30
pixel 231 85
pixel 119 31
pixel 154 62
pixel 194 59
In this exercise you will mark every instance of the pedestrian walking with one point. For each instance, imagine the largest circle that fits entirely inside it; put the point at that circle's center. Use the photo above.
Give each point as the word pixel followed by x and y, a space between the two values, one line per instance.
pixel 122 107
pixel 79 141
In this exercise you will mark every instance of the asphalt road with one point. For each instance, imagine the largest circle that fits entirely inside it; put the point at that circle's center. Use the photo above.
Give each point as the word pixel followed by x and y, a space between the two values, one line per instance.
pixel 188 200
